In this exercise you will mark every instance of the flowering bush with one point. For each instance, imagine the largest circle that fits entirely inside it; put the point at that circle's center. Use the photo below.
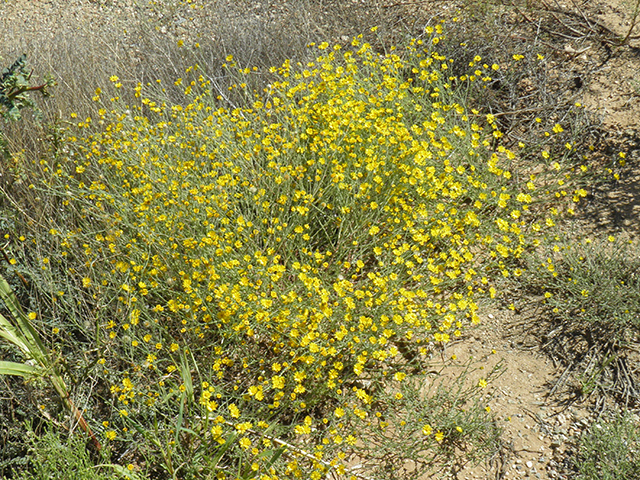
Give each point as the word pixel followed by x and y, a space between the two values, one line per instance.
pixel 266 285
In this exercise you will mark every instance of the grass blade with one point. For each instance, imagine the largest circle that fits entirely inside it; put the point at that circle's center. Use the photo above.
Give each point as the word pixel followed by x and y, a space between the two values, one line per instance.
pixel 9 333
pixel 26 338
pixel 31 344
pixel 18 369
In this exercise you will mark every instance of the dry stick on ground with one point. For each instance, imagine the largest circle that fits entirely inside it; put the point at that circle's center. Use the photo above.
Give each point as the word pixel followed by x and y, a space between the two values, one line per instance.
pixel 591 24
pixel 567 26
pixel 586 19
pixel 560 381
pixel 634 21
pixel 545 427
pixel 521 13
pixel 627 385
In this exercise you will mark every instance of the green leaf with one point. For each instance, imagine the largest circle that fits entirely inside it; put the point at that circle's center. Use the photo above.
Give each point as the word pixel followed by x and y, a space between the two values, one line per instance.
pixel 276 455
pixel 9 333
pixel 29 340
pixel 19 369
pixel 230 440
pixel 187 378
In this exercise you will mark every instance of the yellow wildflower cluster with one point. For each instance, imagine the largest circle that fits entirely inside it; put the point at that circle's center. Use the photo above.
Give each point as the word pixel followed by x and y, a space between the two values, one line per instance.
pixel 294 252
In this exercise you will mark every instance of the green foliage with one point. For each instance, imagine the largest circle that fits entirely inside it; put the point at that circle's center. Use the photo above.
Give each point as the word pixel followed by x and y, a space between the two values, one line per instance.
pixel 590 291
pixel 15 88
pixel 52 457
pixel 610 450
pixel 592 285
pixel 447 400
pixel 14 94
pixel 264 280
pixel 19 332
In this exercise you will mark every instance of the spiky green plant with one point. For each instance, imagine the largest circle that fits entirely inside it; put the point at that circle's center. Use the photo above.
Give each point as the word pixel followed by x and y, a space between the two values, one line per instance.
pixel 19 331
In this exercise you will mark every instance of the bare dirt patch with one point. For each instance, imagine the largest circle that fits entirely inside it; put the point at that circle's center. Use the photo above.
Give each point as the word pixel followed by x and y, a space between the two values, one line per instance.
pixel 537 420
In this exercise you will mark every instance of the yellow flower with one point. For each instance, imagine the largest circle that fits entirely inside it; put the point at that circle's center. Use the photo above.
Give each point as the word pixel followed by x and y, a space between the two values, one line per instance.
pixel 399 376
pixel 278 382
pixel 234 411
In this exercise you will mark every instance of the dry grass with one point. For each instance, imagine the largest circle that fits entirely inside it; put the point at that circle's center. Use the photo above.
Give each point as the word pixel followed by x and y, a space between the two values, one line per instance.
pixel 84 43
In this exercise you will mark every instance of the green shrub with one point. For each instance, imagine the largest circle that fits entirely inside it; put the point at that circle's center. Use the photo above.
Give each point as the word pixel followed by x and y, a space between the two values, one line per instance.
pixel 52 457
pixel 15 88
pixel 592 285
pixel 590 292
pixel 609 450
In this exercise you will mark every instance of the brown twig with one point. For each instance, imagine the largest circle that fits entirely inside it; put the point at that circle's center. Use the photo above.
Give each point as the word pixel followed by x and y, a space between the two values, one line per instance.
pixel 77 414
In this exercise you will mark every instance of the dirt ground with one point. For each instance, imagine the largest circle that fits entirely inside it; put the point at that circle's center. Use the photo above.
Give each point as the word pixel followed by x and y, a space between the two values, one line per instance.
pixel 533 398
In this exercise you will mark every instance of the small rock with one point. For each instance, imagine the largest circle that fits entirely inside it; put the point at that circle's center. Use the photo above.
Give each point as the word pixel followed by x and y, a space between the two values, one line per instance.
pixel 555 442
pixel 529 464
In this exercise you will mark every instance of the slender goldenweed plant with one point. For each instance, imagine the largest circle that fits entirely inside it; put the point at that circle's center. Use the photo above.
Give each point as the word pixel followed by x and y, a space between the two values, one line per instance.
pixel 274 274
